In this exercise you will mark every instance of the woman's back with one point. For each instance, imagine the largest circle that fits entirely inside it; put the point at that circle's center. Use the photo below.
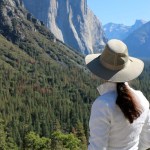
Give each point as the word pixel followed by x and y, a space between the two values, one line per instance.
pixel 109 118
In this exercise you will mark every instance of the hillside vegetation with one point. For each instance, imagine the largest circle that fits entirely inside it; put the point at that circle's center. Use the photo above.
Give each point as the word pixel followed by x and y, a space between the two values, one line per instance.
pixel 39 94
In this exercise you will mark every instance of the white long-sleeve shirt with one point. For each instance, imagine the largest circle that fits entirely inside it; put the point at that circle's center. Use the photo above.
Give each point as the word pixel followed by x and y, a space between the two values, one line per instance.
pixel 110 130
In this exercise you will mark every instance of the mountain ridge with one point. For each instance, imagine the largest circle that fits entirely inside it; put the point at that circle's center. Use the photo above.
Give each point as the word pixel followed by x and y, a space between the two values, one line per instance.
pixel 121 31
pixel 138 41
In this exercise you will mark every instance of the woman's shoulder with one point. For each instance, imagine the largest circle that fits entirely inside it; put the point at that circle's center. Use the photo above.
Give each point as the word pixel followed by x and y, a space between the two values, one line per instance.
pixel 106 100
pixel 142 98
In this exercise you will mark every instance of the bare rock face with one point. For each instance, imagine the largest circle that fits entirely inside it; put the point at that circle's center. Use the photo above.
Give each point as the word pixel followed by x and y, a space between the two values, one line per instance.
pixel 70 21
pixel 10 19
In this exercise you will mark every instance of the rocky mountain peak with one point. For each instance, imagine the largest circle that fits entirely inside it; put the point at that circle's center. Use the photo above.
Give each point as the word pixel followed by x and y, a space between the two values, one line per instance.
pixel 136 25
pixel 71 22
pixel 121 31
pixel 138 41
pixel 139 22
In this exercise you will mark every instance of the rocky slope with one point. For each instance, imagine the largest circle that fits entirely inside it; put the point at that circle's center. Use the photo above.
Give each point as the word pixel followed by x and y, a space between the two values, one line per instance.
pixel 120 31
pixel 71 22
pixel 29 34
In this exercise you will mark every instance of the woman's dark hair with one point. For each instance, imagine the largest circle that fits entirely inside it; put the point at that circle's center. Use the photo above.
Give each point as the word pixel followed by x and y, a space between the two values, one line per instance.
pixel 128 102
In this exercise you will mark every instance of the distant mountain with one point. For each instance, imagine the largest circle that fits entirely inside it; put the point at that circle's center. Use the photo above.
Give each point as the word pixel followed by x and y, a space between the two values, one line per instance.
pixel 117 31
pixel 120 31
pixel 71 22
pixel 138 42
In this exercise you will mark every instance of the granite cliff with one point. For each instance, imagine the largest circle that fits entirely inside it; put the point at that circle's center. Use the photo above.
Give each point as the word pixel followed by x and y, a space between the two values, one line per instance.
pixel 71 22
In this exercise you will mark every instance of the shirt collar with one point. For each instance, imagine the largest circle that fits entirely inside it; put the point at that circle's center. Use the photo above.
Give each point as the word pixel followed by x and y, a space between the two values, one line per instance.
pixel 106 87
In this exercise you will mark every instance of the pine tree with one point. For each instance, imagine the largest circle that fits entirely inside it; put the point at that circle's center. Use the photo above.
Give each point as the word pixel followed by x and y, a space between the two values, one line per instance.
pixel 81 135
pixel 3 145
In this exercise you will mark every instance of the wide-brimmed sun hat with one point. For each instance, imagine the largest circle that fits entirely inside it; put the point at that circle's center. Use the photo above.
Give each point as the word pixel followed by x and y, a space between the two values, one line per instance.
pixel 114 63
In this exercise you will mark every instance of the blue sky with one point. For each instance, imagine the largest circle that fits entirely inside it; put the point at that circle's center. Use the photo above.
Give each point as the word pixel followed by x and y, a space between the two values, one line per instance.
pixel 120 11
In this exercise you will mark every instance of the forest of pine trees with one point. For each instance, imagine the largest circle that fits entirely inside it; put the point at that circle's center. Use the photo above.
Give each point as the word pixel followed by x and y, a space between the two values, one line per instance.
pixel 46 108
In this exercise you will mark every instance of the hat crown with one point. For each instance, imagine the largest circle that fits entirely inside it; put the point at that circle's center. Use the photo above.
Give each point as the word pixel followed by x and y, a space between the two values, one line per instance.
pixel 115 55
pixel 116 46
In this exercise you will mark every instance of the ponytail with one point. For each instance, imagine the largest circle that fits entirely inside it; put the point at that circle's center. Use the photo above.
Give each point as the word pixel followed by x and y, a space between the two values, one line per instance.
pixel 128 103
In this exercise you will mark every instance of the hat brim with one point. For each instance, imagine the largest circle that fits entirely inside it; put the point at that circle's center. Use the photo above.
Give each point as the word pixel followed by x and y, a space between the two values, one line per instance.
pixel 128 73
